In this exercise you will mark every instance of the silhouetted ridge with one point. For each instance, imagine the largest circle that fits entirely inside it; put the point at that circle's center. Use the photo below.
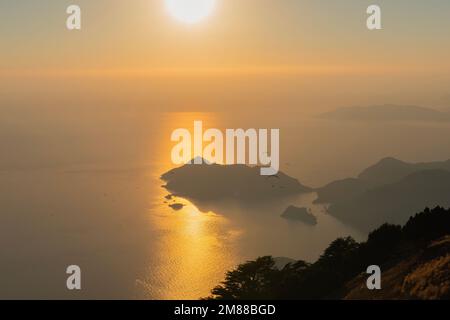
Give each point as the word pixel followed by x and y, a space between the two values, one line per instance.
pixel 390 170
pixel 387 192
pixel 393 202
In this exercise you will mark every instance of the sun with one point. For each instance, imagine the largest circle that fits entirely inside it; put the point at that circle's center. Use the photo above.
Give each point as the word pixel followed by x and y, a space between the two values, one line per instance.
pixel 190 11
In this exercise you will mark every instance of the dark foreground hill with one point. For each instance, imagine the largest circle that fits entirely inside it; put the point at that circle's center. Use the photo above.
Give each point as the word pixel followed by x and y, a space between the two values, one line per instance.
pixel 422 275
pixel 414 259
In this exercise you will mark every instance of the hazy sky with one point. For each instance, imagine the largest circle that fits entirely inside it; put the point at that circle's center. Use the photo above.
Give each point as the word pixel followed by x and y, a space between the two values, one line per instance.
pixel 139 34
pixel 307 54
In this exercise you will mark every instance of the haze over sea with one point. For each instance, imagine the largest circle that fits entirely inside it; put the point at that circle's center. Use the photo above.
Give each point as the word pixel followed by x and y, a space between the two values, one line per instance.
pixel 81 186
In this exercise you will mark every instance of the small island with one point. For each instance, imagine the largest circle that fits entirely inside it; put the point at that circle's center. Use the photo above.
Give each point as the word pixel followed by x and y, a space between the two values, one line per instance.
pixel 299 214
pixel 176 206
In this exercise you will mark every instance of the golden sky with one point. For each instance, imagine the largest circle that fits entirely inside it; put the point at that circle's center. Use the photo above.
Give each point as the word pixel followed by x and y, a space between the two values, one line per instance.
pixel 252 35
pixel 296 53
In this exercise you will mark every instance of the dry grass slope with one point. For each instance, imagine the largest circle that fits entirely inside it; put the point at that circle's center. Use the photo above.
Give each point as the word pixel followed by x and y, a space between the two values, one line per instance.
pixel 424 275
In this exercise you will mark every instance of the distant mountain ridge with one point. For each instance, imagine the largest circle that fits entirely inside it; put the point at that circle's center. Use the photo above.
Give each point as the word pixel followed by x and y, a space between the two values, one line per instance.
pixel 387 192
pixel 389 170
pixel 393 203
pixel 388 112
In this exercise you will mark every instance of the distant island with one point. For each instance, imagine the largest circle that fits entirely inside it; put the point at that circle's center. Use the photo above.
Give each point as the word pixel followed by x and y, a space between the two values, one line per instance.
pixel 215 182
pixel 299 214
pixel 386 112
pixel 414 260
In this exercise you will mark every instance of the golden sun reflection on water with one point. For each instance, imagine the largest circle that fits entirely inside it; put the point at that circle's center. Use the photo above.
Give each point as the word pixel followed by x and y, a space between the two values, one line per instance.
pixel 194 247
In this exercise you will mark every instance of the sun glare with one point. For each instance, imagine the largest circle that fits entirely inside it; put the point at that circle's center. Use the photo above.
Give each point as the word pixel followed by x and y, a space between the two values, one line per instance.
pixel 190 11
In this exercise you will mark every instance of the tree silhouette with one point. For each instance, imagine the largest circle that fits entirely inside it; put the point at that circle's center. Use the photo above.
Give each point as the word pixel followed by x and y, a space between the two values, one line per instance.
pixel 251 280
pixel 341 261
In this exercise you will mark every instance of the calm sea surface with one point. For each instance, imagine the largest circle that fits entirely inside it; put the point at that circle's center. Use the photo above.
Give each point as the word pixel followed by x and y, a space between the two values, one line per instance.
pixel 85 190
